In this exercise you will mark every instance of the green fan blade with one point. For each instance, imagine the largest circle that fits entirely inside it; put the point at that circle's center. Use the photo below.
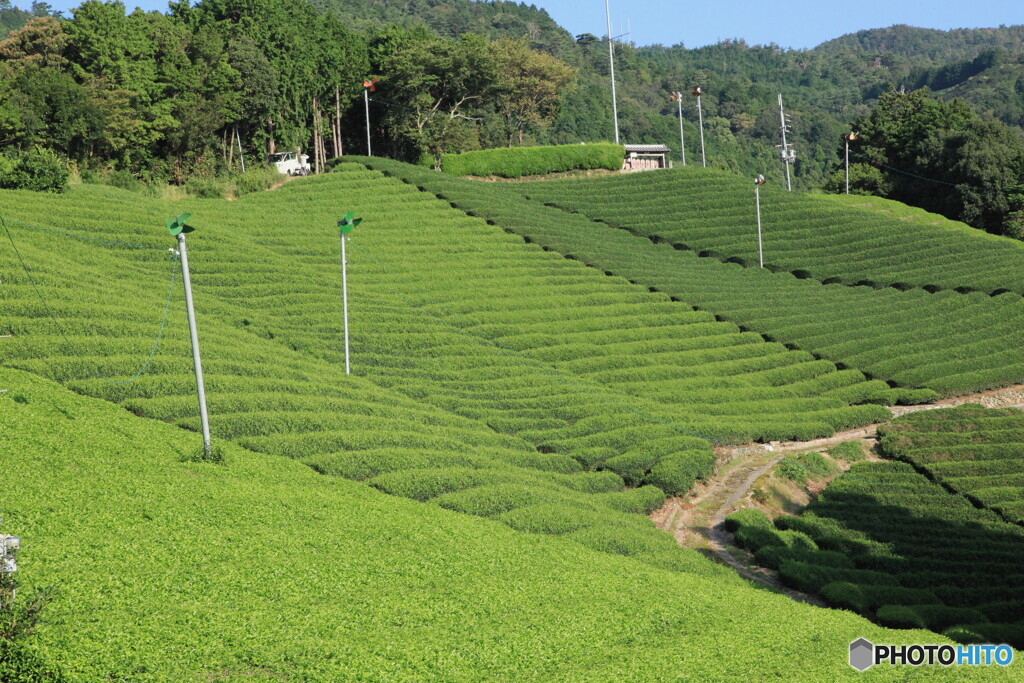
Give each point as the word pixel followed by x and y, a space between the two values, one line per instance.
pixel 348 216
pixel 356 222
pixel 345 228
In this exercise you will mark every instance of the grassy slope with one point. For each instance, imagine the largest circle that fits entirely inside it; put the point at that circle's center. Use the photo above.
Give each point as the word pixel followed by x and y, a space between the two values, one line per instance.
pixel 952 343
pixel 262 569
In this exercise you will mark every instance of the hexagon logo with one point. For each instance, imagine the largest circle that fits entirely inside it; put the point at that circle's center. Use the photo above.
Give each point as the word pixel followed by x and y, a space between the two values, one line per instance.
pixel 862 654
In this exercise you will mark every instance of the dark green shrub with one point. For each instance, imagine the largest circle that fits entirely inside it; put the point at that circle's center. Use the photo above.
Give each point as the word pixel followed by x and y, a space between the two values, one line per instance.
pixel 899 616
pixel 845 595
pixel 772 556
pixel 1010 634
pixel 747 517
pixel 811 577
pixel 675 474
pixel 754 538
pixel 938 617
pixel 38 169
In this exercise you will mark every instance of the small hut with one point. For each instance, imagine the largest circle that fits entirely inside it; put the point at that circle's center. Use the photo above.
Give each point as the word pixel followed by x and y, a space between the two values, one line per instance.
pixel 645 158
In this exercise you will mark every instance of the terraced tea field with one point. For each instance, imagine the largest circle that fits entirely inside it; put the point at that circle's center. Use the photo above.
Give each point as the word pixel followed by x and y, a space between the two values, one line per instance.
pixel 497 388
pixel 262 569
pixel 944 341
pixel 973 451
pixel 490 376
pixel 712 212
pixel 888 543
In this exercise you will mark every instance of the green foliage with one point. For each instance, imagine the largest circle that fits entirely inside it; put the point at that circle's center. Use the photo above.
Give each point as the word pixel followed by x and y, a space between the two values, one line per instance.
pixel 38 169
pixel 747 517
pixel 921 556
pixel 976 452
pixel 955 345
pixel 850 451
pixel 792 470
pixel 917 140
pixel 514 162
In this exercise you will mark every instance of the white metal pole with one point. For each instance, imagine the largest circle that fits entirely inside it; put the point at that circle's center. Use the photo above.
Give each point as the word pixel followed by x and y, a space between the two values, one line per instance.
pixel 847 166
pixel 241 156
pixel 366 100
pixel 682 141
pixel 611 67
pixel 700 116
pixel 344 298
pixel 785 147
pixel 200 388
pixel 757 199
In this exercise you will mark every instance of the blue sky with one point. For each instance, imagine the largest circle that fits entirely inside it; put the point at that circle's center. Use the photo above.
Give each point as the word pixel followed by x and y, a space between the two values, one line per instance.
pixel 796 23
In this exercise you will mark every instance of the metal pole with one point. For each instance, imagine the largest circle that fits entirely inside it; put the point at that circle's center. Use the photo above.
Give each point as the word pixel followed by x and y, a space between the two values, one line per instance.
pixel 847 166
pixel 366 99
pixel 757 199
pixel 700 116
pixel 187 278
pixel 785 147
pixel 240 155
pixel 344 298
pixel 611 66
pixel 682 141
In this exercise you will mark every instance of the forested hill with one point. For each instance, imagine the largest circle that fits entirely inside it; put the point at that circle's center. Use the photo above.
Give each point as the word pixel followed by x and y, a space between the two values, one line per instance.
pixel 453 18
pixel 926 43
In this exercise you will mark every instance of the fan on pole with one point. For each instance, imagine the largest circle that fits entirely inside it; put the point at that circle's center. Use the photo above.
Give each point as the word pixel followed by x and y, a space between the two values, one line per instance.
pixel 345 226
pixel 697 92
pixel 368 87
pixel 758 182
pixel 178 228
pixel 848 138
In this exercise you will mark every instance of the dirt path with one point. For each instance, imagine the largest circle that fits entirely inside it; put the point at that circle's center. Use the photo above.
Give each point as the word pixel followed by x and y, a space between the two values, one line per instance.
pixel 696 520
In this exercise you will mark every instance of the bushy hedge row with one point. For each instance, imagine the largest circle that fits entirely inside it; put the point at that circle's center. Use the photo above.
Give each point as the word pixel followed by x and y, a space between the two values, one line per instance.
pixel 953 343
pixel 515 162
pixel 974 451
pixel 892 545
pixel 710 211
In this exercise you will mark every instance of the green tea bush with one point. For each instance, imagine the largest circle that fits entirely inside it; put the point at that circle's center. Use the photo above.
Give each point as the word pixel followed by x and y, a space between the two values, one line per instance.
pixel 514 162
pixel 771 556
pixel 255 179
pixel 641 500
pixel 620 541
pixel 747 517
pixel 900 616
pixel 495 499
pixel 1011 634
pixel 845 595
pixel 810 577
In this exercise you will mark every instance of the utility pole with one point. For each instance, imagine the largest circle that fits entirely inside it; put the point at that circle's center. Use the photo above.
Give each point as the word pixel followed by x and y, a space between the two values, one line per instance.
pixel 788 155
pixel 758 182
pixel 697 92
pixel 678 97
pixel 368 87
pixel 611 67
pixel 177 228
pixel 850 137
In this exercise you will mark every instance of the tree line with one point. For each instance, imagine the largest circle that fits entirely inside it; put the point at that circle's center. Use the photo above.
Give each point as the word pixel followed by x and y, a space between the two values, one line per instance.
pixel 170 96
